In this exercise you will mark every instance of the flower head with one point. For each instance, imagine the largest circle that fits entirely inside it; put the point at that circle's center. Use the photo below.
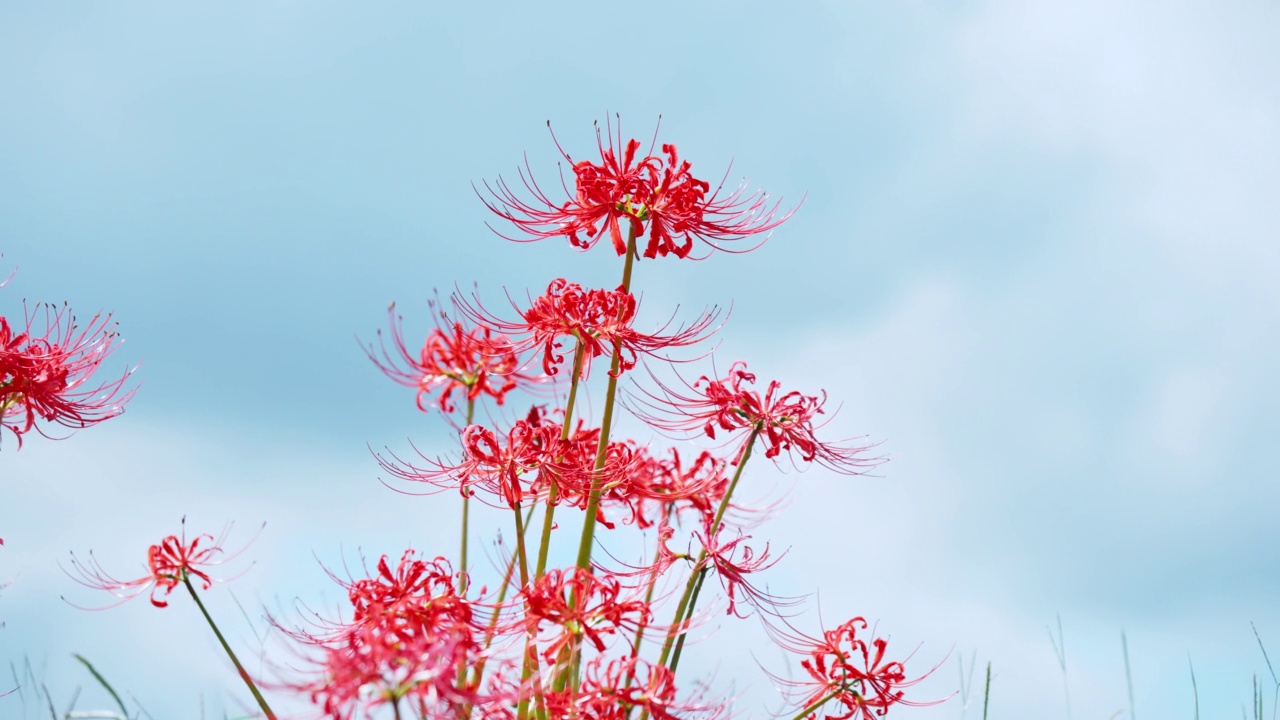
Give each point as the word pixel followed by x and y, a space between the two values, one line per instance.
pixel 45 370
pixel 577 601
pixel 601 321
pixel 409 636
pixel 474 361
pixel 504 465
pixel 782 421
pixel 733 560
pixel 668 486
pixel 613 689
pixel 653 194
pixel 849 674
pixel 170 562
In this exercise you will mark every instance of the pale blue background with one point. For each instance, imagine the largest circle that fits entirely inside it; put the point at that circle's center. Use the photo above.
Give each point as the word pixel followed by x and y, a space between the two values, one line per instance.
pixel 1037 258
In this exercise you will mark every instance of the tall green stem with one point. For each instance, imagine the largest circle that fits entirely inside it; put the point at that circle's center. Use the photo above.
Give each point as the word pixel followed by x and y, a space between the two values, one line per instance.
pixel 684 610
pixel 648 593
pixel 466 514
pixel 462 559
pixel 597 477
pixel 548 518
pixel 606 423
pixel 262 702
pixel 478 671
pixel 813 707
pixel 531 653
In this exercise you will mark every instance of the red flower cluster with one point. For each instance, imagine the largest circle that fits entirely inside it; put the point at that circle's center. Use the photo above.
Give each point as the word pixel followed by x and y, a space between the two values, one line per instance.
pixel 475 361
pixel 576 602
pixel 45 370
pixel 733 560
pixel 583 641
pixel 600 320
pixel 661 488
pixel 534 455
pixel 410 639
pixel 781 421
pixel 656 193
pixel 616 689
pixel 505 467
pixel 845 670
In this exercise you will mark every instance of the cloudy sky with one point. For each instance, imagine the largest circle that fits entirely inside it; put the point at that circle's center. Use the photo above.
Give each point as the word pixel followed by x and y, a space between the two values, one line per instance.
pixel 1036 258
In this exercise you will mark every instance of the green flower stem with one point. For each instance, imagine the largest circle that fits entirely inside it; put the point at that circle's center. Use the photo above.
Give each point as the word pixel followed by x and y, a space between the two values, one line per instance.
pixel 522 560
pixel 262 702
pixel 478 672
pixel 684 611
pixel 531 653
pixel 648 599
pixel 597 479
pixel 648 593
pixel 466 514
pixel 693 602
pixel 462 555
pixel 548 519
pixel 606 423
pixel 816 704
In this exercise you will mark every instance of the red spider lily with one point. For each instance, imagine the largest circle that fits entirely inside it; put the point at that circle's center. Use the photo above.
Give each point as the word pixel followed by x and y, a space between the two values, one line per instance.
pixel 169 563
pixel 667 487
pixel 845 669
pixel 657 190
pixel 505 468
pixel 732 561
pixel 475 361
pixel 603 195
pixel 601 320
pixel 624 465
pixel 781 421
pixel 44 371
pixel 678 206
pixel 409 637
pixel 525 462
pixel 370 670
pixel 578 602
pixel 614 689
pixel 417 590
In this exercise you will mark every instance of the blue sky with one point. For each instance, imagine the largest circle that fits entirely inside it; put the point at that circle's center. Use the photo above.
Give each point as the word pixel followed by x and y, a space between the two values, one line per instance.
pixel 1036 258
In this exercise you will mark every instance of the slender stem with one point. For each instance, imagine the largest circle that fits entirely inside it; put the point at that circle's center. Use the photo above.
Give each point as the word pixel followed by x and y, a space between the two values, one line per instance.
pixel 684 610
pixel 606 423
pixel 462 555
pixel 737 475
pixel 531 652
pixel 478 672
pixel 817 704
pixel 466 515
pixel 693 602
pixel 521 559
pixel 597 478
pixel 262 702
pixel 648 593
pixel 395 707
pixel 548 519
pixel 689 599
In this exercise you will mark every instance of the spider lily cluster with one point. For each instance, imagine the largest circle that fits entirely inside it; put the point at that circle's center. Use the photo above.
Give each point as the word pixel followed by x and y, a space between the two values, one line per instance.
pixel 597 639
